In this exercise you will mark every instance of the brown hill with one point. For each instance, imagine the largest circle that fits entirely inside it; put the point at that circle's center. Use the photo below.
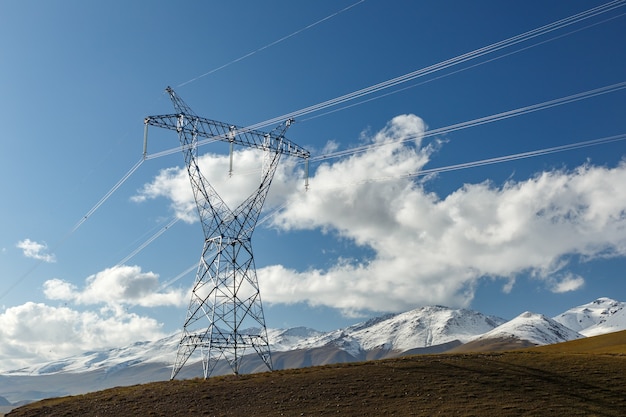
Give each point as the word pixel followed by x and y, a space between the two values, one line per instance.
pixel 610 343
pixel 519 383
pixel 496 344
pixel 606 343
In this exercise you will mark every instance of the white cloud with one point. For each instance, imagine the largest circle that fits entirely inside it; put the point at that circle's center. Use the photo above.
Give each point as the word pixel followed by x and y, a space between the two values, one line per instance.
pixel 36 332
pixel 433 250
pixel 566 283
pixel 173 183
pixel 120 285
pixel 429 249
pixel 35 250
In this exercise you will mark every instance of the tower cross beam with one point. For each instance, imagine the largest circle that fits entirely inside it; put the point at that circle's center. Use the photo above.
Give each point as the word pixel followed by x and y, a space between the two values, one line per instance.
pixel 220 131
pixel 225 315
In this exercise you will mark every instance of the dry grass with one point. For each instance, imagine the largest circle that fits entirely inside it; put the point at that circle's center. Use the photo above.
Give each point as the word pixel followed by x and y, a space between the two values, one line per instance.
pixel 507 384
pixel 532 382
pixel 612 343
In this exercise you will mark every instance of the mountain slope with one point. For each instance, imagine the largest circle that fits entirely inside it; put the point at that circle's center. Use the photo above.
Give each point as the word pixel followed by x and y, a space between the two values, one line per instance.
pixel 603 315
pixel 504 384
pixel 424 330
pixel 526 330
pixel 420 328
pixel 614 323
pixel 609 343
pixel 432 330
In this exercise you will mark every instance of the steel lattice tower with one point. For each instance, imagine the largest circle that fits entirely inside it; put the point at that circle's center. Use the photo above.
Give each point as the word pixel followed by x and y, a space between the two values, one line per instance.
pixel 225 314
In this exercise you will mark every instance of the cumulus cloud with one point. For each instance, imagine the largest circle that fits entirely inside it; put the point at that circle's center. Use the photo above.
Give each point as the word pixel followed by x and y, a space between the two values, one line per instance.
pixel 566 283
pixel 173 183
pixel 120 285
pixel 35 250
pixel 431 250
pixel 428 248
pixel 36 332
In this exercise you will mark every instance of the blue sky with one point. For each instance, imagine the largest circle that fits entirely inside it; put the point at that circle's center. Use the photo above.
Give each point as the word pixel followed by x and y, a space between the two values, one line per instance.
pixel 77 79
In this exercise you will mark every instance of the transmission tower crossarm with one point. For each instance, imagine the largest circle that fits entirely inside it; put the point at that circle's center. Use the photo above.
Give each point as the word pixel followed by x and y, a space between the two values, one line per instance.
pixel 212 129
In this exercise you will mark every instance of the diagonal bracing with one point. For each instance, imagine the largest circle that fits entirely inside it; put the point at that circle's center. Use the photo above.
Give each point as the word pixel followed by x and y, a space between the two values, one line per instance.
pixel 225 314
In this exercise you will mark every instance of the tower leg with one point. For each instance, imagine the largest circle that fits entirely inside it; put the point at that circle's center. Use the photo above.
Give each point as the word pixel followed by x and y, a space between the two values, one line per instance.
pixel 226 297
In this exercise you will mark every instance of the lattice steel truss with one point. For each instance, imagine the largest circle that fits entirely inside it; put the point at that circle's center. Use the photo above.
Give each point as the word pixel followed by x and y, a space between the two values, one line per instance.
pixel 225 315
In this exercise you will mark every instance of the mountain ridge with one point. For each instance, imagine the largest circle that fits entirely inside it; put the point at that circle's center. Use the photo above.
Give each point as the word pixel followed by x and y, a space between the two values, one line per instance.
pixel 430 329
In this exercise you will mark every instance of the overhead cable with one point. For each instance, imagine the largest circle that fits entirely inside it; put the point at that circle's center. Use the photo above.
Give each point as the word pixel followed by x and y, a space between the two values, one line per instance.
pixel 76 226
pixel 482 120
pixel 106 196
pixel 447 129
pixel 147 242
pixel 450 73
pixel 514 40
pixel 500 159
pixel 179 276
pixel 284 38
pixel 451 62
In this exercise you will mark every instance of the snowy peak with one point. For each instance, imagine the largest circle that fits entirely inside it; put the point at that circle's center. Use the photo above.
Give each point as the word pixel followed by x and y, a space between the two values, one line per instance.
pixel 587 315
pixel 288 339
pixel 419 328
pixel 603 315
pixel 425 327
pixel 614 322
pixel 159 351
pixel 534 328
pixel 391 334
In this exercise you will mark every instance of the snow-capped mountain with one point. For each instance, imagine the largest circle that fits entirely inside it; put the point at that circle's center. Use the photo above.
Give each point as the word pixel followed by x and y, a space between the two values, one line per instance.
pixel 160 351
pixel 424 330
pixel 603 315
pixel 282 340
pixel 419 328
pixel 536 329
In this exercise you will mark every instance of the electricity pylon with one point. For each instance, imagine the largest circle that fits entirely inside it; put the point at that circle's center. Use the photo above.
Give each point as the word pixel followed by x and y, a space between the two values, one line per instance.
pixel 225 314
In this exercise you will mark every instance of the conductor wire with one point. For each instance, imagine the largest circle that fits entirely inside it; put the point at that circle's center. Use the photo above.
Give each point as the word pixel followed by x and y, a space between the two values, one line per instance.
pixel 284 38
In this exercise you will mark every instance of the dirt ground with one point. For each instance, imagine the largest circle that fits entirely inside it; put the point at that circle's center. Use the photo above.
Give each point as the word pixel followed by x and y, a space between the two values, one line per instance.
pixel 494 384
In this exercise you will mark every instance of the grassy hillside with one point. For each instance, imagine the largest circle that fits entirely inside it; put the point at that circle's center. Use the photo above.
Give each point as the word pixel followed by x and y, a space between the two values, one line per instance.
pixel 611 343
pixel 584 377
pixel 607 343
pixel 519 383
pixel 491 345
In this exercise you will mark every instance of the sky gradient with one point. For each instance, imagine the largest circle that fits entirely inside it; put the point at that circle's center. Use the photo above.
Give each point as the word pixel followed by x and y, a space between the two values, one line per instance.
pixel 95 241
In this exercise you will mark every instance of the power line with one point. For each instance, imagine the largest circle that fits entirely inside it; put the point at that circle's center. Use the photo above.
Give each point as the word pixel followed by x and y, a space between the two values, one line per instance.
pixel 106 196
pixel 526 36
pixel 177 277
pixel 483 120
pixel 500 159
pixel 514 40
pixel 147 242
pixel 284 38
pixel 463 125
pixel 477 122
pixel 453 61
pixel 439 131
pixel 429 70
pixel 448 74
pixel 448 63
pixel 76 226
